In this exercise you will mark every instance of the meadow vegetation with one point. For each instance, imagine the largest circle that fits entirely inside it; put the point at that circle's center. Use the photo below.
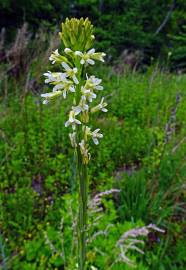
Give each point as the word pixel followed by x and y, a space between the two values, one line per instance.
pixel 142 154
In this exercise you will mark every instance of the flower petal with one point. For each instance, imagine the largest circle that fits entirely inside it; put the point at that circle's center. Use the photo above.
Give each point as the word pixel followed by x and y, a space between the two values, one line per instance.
pixel 91 51
pixel 90 61
pixel 95 140
pixel 99 87
pixel 75 79
pixel 78 53
pixel 82 62
pixel 67 50
pixel 65 66
pixel 104 110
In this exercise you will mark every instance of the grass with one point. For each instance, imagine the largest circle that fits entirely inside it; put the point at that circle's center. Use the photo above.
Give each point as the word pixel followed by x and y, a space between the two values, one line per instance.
pixel 142 153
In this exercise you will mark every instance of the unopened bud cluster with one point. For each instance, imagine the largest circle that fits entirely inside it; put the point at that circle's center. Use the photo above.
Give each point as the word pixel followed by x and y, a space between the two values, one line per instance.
pixel 72 79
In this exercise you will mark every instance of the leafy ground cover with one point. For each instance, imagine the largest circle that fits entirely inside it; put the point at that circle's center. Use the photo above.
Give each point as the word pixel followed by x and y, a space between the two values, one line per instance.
pixel 142 154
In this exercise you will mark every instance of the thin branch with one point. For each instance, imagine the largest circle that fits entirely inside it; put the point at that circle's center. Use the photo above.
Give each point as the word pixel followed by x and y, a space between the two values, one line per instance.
pixel 169 13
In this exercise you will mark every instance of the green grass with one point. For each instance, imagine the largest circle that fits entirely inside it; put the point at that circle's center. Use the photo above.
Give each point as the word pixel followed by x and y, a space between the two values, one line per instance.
pixel 37 177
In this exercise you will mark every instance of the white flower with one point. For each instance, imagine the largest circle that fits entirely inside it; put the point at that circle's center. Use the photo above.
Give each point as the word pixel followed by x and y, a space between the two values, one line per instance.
pixel 87 58
pixel 72 120
pixel 73 139
pixel 83 104
pixel 87 94
pixel 68 50
pixel 101 106
pixel 87 132
pixel 57 58
pixel 53 56
pixel 96 136
pixel 93 83
pixel 50 77
pixel 99 56
pixel 66 85
pixel 54 76
pixel 77 109
pixel 70 72
pixel 50 96
pixel 82 107
pixel 93 268
pixel 84 152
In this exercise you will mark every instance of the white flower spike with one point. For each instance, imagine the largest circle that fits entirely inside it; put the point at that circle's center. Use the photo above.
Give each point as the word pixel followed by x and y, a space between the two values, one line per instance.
pixel 84 89
pixel 77 36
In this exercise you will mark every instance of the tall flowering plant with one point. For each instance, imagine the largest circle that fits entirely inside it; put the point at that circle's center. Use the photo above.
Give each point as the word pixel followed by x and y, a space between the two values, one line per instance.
pixel 72 79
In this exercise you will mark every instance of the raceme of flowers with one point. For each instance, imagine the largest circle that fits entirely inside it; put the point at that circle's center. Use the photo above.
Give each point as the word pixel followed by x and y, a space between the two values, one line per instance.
pixel 71 81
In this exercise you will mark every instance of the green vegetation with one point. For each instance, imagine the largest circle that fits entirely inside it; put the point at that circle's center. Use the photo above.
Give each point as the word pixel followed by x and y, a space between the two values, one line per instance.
pixel 142 27
pixel 142 153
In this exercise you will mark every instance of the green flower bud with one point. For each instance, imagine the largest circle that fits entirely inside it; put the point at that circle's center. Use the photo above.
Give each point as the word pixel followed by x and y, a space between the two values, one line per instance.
pixel 77 34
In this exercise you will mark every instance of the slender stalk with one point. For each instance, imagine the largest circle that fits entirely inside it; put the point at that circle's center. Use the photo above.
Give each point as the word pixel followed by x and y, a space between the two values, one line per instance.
pixel 83 188
pixel 82 222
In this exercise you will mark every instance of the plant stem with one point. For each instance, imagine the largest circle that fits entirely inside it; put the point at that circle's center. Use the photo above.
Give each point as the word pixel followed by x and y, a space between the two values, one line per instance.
pixel 82 222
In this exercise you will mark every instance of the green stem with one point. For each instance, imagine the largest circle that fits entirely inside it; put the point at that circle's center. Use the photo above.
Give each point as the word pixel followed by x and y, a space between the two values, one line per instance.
pixel 83 186
pixel 82 222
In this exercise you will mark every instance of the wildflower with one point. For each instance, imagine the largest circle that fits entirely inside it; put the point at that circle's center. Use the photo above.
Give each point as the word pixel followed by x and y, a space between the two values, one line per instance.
pixel 83 104
pixel 87 132
pixel 84 152
pixel 82 107
pixel 56 57
pixel 93 268
pixel 88 94
pixel 66 85
pixel 70 72
pixel 73 139
pixel 93 83
pixel 87 58
pixel 50 96
pixel 96 136
pixel 54 76
pixel 101 106
pixel 68 50
pixel 53 56
pixel 78 35
pixel 72 120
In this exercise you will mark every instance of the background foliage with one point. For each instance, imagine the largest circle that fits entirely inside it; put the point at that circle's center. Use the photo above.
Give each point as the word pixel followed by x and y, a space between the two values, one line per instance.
pixel 133 25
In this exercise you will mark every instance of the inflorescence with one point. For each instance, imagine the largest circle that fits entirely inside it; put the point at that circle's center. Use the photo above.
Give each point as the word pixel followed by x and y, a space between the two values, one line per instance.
pixel 72 79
